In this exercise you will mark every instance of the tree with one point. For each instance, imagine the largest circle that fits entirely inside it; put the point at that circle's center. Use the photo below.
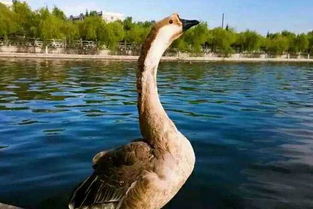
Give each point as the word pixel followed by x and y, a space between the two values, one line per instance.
pixel 136 34
pixel 277 44
pixel 51 26
pixel 70 31
pixel 58 13
pixel 222 40
pixel 25 19
pixel 91 27
pixel 197 37
pixel 8 23
pixel 291 37
pixel 112 34
pixel 128 23
pixel 302 43
pixel 249 41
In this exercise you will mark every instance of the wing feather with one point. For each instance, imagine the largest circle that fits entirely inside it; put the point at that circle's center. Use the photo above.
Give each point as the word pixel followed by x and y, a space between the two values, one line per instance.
pixel 115 172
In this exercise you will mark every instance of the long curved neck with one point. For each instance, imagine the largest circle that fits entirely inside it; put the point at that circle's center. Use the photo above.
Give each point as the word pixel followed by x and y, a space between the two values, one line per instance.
pixel 154 122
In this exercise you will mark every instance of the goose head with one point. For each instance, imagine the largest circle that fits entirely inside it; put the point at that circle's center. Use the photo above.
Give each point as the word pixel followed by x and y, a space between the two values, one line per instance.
pixel 161 36
pixel 172 27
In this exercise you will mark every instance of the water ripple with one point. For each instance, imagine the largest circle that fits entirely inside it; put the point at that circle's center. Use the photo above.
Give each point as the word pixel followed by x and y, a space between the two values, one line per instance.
pixel 251 126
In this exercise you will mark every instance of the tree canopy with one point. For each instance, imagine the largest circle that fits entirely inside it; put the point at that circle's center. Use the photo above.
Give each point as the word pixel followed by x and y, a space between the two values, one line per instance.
pixel 44 24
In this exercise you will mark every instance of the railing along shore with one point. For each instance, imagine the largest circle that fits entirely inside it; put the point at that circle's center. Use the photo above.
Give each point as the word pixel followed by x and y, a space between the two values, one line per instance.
pixel 88 49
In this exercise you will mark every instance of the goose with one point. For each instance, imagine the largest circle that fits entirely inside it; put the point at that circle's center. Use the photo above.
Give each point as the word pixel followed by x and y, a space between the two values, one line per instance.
pixel 146 173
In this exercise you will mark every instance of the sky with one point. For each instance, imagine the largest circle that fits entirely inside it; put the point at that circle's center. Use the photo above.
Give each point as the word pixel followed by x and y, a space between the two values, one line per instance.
pixel 259 15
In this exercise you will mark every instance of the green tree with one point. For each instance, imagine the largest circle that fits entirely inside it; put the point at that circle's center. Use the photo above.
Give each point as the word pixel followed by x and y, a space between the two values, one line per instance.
pixel 249 41
pixel 70 31
pixel 136 34
pixel 277 44
pixel 8 24
pixel 222 40
pixel 302 43
pixel 197 37
pixel 91 27
pixel 291 38
pixel 50 27
pixel 58 13
pixel 128 23
pixel 25 18
pixel 112 34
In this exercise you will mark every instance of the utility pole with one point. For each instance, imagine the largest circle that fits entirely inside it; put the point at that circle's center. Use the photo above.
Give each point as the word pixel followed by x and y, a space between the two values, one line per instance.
pixel 223 17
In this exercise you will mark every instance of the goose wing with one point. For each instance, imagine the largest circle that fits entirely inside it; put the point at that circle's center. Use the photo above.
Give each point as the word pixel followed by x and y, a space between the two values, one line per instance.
pixel 115 172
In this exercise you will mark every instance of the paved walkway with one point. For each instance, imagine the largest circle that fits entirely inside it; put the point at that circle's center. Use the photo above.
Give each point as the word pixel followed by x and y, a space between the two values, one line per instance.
pixel 134 58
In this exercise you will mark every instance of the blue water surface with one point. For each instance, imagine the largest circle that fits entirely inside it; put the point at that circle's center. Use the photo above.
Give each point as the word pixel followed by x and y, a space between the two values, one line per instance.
pixel 251 126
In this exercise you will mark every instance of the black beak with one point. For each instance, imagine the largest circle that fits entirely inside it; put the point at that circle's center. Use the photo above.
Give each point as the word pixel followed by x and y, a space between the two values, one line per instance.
pixel 188 23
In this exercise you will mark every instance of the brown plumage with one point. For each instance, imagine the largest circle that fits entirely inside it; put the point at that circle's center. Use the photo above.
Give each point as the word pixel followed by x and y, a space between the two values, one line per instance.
pixel 146 173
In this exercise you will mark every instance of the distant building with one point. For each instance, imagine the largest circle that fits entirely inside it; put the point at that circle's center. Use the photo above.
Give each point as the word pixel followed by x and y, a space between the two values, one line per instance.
pixel 7 3
pixel 112 16
pixel 79 17
pixel 106 16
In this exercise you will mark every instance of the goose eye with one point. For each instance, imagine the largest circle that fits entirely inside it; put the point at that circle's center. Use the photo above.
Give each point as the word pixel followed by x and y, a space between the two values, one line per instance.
pixel 171 21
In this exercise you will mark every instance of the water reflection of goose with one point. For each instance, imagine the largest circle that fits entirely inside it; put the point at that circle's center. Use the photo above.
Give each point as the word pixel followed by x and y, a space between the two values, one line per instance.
pixel 146 173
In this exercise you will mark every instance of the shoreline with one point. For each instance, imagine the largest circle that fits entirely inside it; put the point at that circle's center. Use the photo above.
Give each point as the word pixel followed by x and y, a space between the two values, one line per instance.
pixel 134 58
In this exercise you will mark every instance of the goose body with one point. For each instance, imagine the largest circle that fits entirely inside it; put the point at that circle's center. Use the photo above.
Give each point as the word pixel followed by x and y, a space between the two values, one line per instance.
pixel 148 172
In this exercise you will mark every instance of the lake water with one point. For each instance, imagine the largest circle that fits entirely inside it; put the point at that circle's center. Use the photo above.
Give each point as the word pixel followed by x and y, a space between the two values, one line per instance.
pixel 251 126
